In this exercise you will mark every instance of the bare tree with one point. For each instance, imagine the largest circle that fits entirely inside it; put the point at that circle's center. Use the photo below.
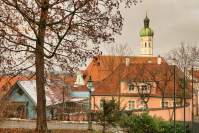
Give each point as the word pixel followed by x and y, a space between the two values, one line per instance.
pixel 116 56
pixel 51 33
pixel 142 83
pixel 153 76
pixel 118 50
pixel 162 76
pixel 185 55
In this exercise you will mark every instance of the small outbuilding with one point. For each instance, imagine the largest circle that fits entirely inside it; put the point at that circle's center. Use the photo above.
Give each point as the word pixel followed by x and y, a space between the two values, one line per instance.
pixel 24 91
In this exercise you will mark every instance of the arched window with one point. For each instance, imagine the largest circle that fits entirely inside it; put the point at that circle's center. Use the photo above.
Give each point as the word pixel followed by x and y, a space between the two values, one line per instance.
pixel 145 45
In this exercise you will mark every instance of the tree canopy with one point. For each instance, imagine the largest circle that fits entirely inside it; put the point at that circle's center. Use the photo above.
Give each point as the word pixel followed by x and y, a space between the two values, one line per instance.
pixel 54 33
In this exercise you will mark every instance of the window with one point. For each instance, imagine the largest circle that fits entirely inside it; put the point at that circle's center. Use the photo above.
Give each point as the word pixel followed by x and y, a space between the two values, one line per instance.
pixel 178 104
pixel 149 45
pixel 143 105
pixel 145 45
pixel 131 105
pixel 101 103
pixel 20 92
pixel 144 89
pixel 131 87
pixel 165 104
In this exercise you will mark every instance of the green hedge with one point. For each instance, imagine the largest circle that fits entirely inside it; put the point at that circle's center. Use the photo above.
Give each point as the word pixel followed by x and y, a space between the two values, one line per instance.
pixel 144 123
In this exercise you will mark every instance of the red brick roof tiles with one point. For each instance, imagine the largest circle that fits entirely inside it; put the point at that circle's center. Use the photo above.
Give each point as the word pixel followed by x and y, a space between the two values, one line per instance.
pixel 6 82
pixel 112 70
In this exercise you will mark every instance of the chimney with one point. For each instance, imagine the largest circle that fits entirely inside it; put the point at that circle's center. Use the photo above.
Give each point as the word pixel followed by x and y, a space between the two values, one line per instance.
pixel 127 60
pixel 159 60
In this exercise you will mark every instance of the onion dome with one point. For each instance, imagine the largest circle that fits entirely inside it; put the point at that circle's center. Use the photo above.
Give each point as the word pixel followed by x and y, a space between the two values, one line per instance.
pixel 146 31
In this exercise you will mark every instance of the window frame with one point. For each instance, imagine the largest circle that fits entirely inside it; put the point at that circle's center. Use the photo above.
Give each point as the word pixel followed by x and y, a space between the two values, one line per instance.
pixel 131 87
pixel 142 105
pixel 145 88
pixel 131 104
pixel 163 103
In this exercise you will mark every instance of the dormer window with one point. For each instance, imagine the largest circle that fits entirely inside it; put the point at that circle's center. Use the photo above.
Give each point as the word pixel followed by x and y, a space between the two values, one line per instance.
pixel 131 87
pixel 145 88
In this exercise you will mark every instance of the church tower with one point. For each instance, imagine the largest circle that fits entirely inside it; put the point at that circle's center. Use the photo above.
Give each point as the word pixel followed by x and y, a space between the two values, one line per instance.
pixel 146 35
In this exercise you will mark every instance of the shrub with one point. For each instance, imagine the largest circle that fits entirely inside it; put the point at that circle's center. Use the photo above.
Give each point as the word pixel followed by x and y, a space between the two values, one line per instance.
pixel 144 123
pixel 109 114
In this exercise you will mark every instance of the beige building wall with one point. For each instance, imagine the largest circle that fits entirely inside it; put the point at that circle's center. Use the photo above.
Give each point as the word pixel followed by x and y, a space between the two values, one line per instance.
pixel 154 105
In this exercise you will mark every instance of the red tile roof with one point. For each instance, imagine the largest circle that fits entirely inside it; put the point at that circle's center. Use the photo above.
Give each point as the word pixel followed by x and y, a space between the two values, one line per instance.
pixel 6 82
pixel 110 70
pixel 102 66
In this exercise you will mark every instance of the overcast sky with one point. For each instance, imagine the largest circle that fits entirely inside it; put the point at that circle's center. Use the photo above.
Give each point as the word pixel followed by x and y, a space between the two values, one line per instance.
pixel 173 21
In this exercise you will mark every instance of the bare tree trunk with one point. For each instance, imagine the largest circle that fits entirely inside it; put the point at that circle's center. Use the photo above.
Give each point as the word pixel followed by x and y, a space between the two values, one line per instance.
pixel 104 127
pixel 41 99
pixel 41 126
pixel 163 98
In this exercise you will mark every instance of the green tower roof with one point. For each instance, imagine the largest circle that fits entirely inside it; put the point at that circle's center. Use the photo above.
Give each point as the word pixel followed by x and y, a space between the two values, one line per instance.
pixel 146 31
